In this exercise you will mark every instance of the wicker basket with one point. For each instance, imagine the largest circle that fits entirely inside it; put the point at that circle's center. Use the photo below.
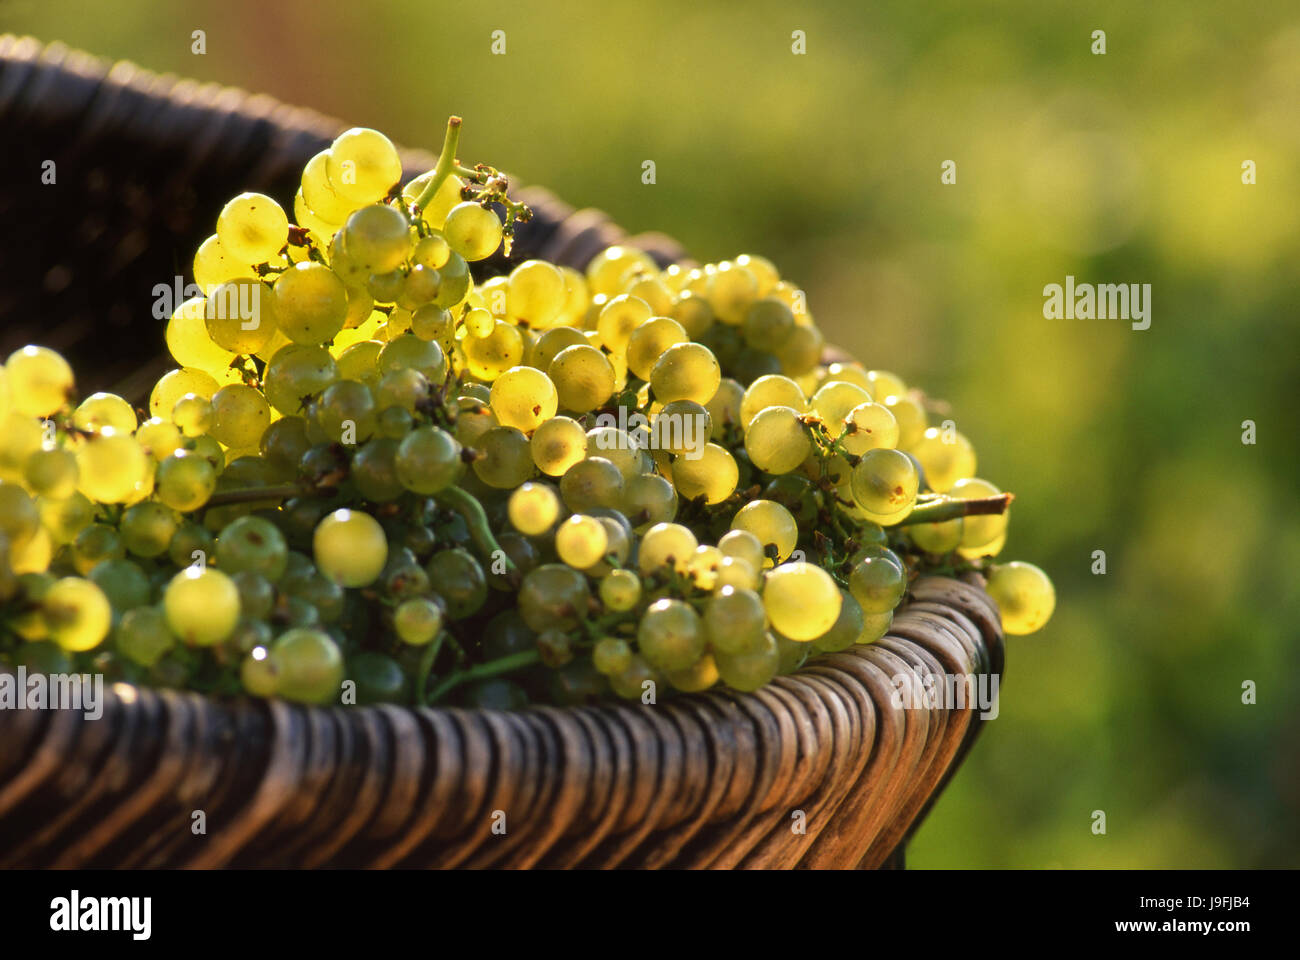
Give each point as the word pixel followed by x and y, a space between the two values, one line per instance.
pixel 819 769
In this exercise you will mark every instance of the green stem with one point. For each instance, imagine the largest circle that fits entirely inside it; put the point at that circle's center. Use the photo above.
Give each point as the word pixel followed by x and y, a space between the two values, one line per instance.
pixel 943 510
pixel 467 505
pixel 426 666
pixel 483 671
pixel 281 491
pixel 446 164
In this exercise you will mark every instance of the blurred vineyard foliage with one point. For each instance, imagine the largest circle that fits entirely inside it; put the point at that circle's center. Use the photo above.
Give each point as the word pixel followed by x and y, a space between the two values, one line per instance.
pixel 1117 168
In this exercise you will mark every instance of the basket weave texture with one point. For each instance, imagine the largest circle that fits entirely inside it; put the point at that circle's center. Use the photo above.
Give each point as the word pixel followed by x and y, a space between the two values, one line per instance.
pixel 823 768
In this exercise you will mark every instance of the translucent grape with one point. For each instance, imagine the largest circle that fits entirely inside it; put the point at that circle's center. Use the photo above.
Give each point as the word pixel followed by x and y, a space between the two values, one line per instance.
pixel 801 599
pixel 523 398
pixel 666 545
pixel 620 590
pixel 670 635
pixel 428 460
pixel 362 164
pixel 772 524
pixel 583 377
pixel 1024 595
pixel 472 230
pixel 350 548
pixel 252 228
pixel 776 440
pixel 201 605
pixel 581 541
pixel 506 460
pixel 946 456
pixel 77 614
pixel 591 484
pixel 686 371
pixel 311 303
pixel 712 475
pixel 884 484
pixel 40 381
pixel 534 508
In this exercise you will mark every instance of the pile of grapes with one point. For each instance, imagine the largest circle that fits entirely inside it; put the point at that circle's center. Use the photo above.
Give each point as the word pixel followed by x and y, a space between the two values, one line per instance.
pixel 371 479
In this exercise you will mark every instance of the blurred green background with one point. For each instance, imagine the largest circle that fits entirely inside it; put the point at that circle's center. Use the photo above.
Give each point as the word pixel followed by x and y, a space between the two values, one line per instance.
pixel 1117 168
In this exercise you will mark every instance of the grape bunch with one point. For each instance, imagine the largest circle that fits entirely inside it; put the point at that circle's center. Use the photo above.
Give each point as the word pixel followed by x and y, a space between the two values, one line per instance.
pixel 372 479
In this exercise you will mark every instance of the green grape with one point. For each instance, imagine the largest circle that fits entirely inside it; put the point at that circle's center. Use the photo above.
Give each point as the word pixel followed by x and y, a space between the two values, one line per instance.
pixel 258 673
pixel 548 346
pixel 686 371
pixel 735 621
pixel 772 524
pixel 649 499
pixel 553 597
pixel 473 419
pixel 802 600
pixel 884 485
pixel 431 251
pixel 421 287
pixel 620 448
pixel 648 342
pixel 20 437
pixel 240 415
pixel 693 313
pixel 666 545
pixel 911 419
pixel 752 669
pixel 631 683
pixel 142 636
pixel 378 678
pixel 256 595
pixel 506 460
pixel 733 291
pixel 798 495
pixel 403 388
pixel 767 324
pixel 488 357
pixel 591 484
pixel 459 579
pixel 940 538
pixel 946 456
pixel 311 303
pixel 776 440
pixel 610 269
pixel 64 519
pixel 620 590
pixel 320 593
pixel 179 383
pixel 110 465
pixel 77 614
pixel 428 460
pixel 160 438
pixel 800 352
pixel 377 239
pixel 847 628
pixel 104 410
pixel 618 318
pixel 743 545
pixel 878 582
pixel 1024 595
pixel 670 635
pixel 681 428
pixel 350 548
pixel 394 423
pixel 611 655
pixel 555 648
pixel 885 385
pixel 581 541
pixel 190 539
pixel 617 545
pixel 283 444
pixel 698 677
pixel 308 666
pixel 432 322
pixel 507 633
pixel 583 378
pixel 979 533
pixel 869 426
pixel 20 518
pixel 712 475
pixel 750 364
pixel 362 165
pixel 533 508
pixel 252 544
pixel 359 361
pixel 386 287
pixel 875 626
pixel 40 381
pixel 201 605
pixel 239 317
pixel 295 373
pixel 346 412
pixel 650 288
pixel 417 621
pixel 791 654
pixel 535 293
pixel 472 230
pixel 833 402
pixel 523 398
pixel 252 228
pixel 455 282
pixel 374 470
pixel 214 265
pixel 185 481
pixel 147 528
pixel 557 445
pixel 122 582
